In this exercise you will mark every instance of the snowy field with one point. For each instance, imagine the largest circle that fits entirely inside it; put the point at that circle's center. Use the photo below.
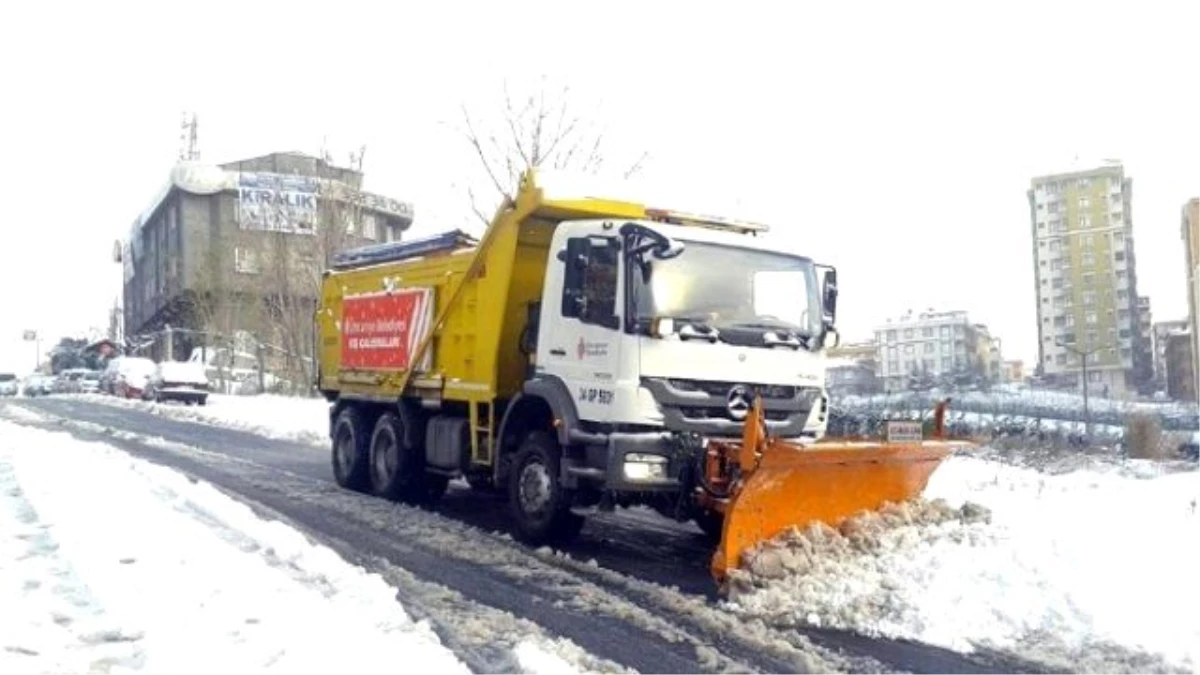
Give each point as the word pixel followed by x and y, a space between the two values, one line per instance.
pixel 120 565
pixel 1093 570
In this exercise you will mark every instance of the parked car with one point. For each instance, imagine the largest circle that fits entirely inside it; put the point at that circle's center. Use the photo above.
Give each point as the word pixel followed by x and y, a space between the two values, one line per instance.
pixel 178 381
pixel 89 381
pixel 8 384
pixel 108 377
pixel 132 376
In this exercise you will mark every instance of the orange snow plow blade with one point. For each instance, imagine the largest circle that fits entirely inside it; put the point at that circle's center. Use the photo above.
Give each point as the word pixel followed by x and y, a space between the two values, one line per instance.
pixel 781 485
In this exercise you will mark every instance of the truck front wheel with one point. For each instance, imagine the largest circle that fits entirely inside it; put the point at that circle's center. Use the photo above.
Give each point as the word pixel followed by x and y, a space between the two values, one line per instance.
pixel 541 508
pixel 350 451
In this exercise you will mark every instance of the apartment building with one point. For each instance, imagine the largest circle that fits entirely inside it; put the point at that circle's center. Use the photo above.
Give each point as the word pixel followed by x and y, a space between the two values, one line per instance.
pixel 1085 280
pixel 1143 354
pixel 1180 368
pixel 934 346
pixel 852 369
pixel 1160 332
pixel 230 248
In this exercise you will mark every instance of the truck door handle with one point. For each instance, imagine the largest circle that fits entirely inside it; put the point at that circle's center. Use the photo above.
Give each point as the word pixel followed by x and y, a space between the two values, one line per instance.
pixel 558 352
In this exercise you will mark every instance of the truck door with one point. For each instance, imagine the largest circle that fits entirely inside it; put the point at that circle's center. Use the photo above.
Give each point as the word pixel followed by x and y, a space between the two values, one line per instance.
pixel 581 340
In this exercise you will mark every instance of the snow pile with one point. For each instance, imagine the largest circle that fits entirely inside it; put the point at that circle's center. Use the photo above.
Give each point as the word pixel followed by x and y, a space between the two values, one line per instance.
pixel 109 561
pixel 271 415
pixel 1087 570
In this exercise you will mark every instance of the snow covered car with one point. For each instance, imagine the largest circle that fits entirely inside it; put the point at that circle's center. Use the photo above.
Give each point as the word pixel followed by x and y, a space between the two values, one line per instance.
pixel 178 381
pixel 8 384
pixel 132 376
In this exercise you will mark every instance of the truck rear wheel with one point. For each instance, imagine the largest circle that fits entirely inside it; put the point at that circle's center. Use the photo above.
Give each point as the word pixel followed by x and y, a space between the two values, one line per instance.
pixel 350 451
pixel 397 470
pixel 540 506
pixel 393 469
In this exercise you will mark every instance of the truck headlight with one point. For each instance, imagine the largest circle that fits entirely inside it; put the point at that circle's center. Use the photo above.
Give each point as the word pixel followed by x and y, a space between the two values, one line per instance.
pixel 640 466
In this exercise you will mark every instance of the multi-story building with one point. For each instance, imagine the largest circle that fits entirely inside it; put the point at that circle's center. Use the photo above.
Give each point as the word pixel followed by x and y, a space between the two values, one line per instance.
pixel 1181 376
pixel 989 354
pixel 1014 372
pixel 932 347
pixel 852 369
pixel 1143 355
pixel 239 248
pixel 1161 331
pixel 1190 233
pixel 1085 279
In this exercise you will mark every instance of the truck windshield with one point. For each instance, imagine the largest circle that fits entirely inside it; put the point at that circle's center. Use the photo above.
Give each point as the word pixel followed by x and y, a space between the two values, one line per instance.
pixel 722 286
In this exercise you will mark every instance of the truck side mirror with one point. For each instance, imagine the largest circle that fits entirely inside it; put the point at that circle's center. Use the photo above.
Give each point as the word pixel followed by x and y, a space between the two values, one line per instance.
pixel 829 296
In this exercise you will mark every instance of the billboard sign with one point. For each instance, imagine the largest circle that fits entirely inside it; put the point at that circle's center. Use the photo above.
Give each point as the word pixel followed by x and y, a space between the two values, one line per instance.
pixel 271 202
pixel 381 331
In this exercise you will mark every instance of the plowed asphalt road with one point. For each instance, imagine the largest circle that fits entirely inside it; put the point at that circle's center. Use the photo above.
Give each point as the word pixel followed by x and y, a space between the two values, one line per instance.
pixel 646 602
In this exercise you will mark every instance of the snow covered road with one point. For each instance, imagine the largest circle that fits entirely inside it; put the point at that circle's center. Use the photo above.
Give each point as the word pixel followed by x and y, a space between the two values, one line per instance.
pixel 117 562
pixel 612 597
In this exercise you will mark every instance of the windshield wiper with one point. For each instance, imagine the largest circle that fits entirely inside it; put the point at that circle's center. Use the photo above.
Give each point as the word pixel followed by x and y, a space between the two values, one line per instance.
pixel 778 333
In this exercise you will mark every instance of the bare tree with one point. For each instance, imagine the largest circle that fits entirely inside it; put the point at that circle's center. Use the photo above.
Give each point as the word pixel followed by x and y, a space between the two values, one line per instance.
pixel 292 268
pixel 540 129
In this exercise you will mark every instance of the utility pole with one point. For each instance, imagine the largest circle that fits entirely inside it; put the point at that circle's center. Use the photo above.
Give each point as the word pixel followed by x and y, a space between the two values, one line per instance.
pixel 1084 355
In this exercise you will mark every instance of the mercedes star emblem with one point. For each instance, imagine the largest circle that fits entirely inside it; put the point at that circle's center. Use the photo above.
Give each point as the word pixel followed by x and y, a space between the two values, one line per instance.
pixel 738 400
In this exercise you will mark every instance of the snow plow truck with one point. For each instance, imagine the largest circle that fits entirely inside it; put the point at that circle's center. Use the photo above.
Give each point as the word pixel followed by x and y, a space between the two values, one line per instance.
pixel 588 353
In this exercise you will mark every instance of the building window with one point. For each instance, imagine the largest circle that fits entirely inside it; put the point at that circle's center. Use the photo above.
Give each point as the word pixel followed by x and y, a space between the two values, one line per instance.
pixel 929 347
pixel 1084 183
pixel 891 336
pixel 245 261
pixel 1052 207
pixel 1088 259
pixel 1060 359
pixel 1057 283
pixel 1088 298
pixel 1119 256
pixel 1084 202
pixel 908 350
pixel 908 333
pixel 927 332
pixel 1091 318
pixel 1084 221
pixel 370 227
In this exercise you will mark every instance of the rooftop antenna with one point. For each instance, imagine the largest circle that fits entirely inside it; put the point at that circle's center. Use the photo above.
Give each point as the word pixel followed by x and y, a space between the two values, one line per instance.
pixel 325 154
pixel 189 149
pixel 356 158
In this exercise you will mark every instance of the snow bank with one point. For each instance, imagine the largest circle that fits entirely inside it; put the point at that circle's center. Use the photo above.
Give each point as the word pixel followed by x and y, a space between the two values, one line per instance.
pixel 1084 570
pixel 271 415
pixel 109 561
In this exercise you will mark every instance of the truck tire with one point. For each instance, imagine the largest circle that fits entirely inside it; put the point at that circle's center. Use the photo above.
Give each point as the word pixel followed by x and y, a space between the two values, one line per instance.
pixel 394 468
pixel 540 507
pixel 350 448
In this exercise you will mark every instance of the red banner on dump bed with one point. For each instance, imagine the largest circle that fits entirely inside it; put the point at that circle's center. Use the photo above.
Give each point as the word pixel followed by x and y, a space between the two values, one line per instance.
pixel 381 331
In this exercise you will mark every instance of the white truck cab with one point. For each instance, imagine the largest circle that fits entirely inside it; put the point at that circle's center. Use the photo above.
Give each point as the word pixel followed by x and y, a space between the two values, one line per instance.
pixel 658 330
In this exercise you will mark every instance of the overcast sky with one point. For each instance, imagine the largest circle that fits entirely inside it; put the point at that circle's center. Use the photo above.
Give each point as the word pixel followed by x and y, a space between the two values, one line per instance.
pixel 893 140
